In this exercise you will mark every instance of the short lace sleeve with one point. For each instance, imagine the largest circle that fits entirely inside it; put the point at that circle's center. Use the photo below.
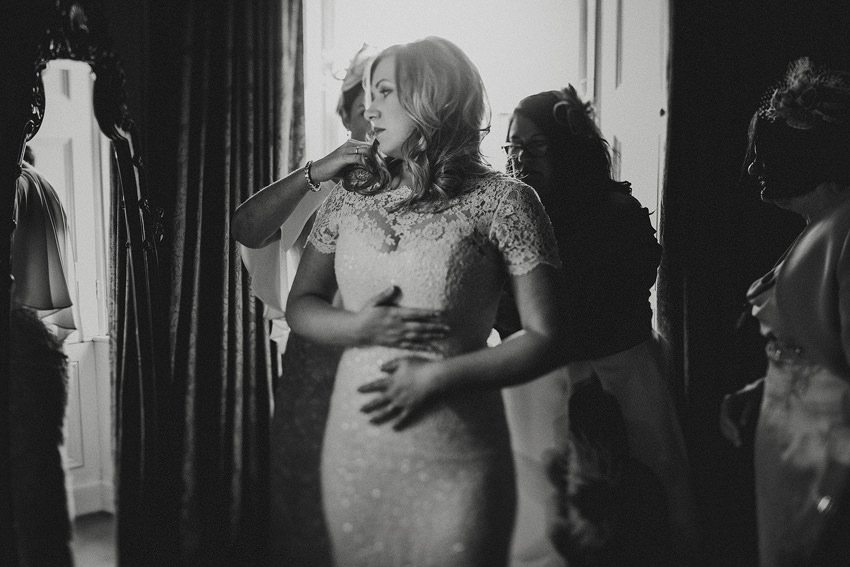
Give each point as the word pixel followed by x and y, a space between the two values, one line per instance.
pixel 326 226
pixel 522 230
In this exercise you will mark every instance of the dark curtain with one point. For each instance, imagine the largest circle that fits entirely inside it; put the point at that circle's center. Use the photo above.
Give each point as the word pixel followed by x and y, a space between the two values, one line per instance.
pixel 134 386
pixel 236 123
pixel 717 236
pixel 17 47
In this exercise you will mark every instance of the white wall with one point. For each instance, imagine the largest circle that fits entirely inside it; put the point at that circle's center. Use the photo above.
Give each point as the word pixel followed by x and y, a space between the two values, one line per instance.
pixel 520 48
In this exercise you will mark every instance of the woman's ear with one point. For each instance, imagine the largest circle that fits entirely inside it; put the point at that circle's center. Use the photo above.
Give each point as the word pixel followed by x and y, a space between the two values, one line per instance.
pixel 346 119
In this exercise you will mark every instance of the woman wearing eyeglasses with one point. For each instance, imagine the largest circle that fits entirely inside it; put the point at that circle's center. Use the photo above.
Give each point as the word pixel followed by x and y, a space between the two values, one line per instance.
pixel 610 257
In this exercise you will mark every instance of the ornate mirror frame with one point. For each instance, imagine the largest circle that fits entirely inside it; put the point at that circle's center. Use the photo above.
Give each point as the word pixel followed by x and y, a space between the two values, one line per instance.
pixel 73 29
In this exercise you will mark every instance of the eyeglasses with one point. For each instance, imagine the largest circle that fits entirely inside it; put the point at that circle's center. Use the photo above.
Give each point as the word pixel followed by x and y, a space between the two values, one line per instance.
pixel 534 148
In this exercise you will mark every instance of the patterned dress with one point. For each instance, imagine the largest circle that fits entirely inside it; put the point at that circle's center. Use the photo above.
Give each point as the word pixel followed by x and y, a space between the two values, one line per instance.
pixel 802 445
pixel 298 537
pixel 440 491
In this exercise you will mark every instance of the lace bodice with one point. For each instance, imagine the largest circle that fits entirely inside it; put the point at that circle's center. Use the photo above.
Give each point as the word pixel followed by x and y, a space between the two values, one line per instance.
pixel 455 261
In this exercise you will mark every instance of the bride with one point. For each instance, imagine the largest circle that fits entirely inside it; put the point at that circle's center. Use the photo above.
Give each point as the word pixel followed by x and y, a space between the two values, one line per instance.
pixel 416 465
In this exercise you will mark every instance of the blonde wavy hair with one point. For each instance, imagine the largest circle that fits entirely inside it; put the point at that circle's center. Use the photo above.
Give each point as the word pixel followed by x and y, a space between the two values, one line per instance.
pixel 441 90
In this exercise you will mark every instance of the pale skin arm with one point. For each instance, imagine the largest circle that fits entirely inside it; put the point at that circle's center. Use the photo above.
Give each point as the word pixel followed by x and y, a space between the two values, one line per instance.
pixel 310 312
pixel 257 221
pixel 409 383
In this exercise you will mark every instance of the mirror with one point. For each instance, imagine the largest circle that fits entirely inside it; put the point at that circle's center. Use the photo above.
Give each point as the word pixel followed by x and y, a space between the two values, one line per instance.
pixel 73 156
pixel 114 229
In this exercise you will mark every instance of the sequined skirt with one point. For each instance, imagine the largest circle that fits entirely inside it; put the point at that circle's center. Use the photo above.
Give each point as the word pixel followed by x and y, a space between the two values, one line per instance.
pixel 439 492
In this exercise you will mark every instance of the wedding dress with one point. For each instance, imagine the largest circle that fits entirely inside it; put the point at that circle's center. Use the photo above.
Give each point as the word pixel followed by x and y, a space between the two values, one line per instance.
pixel 441 490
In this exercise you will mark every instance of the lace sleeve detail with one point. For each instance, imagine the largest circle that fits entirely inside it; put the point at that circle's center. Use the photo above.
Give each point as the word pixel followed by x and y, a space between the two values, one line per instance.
pixel 326 226
pixel 522 231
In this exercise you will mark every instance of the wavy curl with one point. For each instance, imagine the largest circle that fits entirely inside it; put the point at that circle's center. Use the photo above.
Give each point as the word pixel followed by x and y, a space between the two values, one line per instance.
pixel 441 90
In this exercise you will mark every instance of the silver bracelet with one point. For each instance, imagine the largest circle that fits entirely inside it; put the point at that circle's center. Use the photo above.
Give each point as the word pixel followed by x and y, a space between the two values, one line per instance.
pixel 316 187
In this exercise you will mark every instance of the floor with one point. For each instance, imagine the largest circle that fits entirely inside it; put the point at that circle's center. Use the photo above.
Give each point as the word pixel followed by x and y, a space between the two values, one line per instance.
pixel 94 540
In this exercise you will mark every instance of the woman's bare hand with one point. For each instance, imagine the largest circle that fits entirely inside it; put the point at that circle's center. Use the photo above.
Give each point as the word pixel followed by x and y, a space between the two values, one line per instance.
pixel 384 323
pixel 408 384
pixel 331 166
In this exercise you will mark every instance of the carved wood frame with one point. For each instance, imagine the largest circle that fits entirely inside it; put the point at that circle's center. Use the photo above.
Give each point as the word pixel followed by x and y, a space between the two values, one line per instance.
pixel 76 30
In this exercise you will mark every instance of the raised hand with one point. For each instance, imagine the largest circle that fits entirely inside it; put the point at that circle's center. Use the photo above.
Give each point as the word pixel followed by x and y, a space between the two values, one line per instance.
pixel 351 152
pixel 384 323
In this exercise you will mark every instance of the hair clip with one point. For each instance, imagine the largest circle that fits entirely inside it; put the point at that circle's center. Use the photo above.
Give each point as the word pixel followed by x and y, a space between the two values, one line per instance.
pixel 575 115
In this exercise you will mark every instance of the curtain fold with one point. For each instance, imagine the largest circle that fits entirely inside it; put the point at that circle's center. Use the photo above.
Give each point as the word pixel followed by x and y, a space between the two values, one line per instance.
pixel 237 122
pixel 717 235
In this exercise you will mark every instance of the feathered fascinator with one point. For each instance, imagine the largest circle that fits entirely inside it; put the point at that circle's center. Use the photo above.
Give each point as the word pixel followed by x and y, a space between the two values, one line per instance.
pixel 357 67
pixel 809 97
pixel 355 73
pixel 571 112
pixel 802 131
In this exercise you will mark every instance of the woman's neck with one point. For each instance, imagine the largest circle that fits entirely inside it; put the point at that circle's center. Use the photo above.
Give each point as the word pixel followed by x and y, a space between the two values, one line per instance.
pixel 402 179
pixel 825 197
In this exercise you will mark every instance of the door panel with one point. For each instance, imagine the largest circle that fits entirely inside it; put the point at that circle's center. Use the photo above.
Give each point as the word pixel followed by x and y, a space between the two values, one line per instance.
pixel 631 74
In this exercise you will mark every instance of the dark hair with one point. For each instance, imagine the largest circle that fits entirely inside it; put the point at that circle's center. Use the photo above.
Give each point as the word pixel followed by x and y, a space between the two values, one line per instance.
pixel 800 135
pixel 347 98
pixel 576 143
pixel 795 161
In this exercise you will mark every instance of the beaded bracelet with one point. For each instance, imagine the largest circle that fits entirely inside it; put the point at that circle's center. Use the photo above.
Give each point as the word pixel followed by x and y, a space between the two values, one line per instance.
pixel 313 186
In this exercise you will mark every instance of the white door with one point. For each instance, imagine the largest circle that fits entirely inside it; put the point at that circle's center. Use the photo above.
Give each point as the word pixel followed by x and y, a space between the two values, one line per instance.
pixel 626 77
pixel 69 151
pixel 631 90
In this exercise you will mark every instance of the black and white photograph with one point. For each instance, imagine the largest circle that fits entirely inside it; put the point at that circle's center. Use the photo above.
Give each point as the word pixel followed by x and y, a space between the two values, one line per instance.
pixel 425 283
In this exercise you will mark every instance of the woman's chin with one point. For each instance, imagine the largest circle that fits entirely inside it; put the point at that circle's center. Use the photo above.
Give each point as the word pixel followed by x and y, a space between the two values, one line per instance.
pixel 781 202
pixel 784 196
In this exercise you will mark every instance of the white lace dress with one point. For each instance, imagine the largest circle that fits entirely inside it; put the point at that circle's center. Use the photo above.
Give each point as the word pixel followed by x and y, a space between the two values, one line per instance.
pixel 441 491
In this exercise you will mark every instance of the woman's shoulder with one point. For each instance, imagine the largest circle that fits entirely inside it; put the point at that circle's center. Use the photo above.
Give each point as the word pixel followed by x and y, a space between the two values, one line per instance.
pixel 833 224
pixel 840 215
pixel 623 201
pixel 498 185
pixel 339 196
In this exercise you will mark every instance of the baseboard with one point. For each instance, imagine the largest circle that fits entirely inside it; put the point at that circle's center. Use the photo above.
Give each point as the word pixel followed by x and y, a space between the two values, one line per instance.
pixel 94 497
